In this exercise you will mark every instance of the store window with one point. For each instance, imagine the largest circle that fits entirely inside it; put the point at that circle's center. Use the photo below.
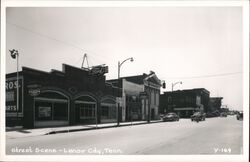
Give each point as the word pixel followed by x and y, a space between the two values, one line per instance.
pixel 105 112
pixel 87 111
pixel 51 106
pixel 43 111
pixel 108 110
pixel 60 111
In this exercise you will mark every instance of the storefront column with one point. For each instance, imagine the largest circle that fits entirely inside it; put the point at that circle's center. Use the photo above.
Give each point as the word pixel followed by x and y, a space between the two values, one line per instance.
pixel 98 109
pixel 72 112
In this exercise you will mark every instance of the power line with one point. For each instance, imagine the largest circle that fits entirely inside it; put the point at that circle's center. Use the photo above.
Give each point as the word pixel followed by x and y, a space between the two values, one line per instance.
pixel 55 39
pixel 207 76
pixel 46 36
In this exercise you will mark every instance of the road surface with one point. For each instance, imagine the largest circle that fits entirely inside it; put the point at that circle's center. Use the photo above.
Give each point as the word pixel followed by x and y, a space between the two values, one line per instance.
pixel 213 136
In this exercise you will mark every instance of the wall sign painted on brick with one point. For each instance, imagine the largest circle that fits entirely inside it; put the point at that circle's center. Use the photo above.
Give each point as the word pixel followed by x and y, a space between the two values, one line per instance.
pixel 11 97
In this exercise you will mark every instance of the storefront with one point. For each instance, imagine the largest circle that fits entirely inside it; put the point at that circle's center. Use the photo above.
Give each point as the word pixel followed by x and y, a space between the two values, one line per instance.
pixel 72 96
pixel 133 108
pixel 140 96
pixel 185 102
pixel 86 109
pixel 108 110
pixel 51 109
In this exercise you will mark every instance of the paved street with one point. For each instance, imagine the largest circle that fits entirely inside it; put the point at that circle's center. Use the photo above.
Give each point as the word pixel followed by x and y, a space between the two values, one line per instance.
pixel 213 136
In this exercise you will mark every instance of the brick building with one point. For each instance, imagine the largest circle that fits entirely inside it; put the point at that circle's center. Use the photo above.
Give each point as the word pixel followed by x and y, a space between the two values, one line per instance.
pixel 57 98
pixel 185 102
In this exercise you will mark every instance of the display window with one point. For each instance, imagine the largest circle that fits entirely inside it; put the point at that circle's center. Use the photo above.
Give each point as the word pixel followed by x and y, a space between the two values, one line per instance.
pixel 87 111
pixel 49 107
pixel 108 110
pixel 43 111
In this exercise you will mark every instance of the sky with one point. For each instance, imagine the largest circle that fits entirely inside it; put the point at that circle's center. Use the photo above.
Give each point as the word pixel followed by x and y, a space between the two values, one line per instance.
pixel 200 46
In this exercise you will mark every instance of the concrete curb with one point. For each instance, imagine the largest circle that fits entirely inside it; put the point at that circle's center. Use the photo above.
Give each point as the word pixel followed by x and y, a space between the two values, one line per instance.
pixel 95 128
pixel 17 133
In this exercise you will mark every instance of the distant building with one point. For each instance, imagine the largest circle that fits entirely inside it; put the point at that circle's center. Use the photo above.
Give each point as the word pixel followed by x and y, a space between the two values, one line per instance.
pixel 224 108
pixel 58 98
pixel 215 104
pixel 185 102
pixel 140 96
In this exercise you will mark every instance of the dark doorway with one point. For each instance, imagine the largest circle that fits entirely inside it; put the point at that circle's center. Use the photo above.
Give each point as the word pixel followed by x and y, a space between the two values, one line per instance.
pixel 152 114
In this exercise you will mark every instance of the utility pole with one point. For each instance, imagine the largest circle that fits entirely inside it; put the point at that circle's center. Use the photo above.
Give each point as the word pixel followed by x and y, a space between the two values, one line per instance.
pixel 173 84
pixel 14 54
pixel 119 67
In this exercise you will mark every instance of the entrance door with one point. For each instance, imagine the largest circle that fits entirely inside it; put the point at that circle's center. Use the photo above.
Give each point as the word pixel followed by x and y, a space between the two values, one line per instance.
pixel 152 114
pixel 108 111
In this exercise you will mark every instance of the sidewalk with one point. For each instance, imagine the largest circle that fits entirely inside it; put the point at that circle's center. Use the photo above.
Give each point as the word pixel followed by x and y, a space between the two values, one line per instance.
pixel 17 132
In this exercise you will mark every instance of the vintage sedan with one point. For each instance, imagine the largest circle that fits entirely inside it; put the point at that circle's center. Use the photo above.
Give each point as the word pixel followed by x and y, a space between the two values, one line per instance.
pixel 170 117
pixel 198 116
pixel 223 114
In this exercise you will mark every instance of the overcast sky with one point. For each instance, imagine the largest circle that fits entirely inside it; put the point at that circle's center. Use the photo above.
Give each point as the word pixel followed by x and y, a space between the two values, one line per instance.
pixel 200 46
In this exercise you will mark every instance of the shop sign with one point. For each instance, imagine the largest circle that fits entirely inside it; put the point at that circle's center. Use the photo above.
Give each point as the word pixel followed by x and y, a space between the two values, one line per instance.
pixel 11 96
pixel 34 89
pixel 34 92
pixel 44 112
pixel 99 70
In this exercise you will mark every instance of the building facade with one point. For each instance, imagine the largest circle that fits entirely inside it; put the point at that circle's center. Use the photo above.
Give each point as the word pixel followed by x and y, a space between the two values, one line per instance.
pixel 215 104
pixel 58 98
pixel 140 97
pixel 185 102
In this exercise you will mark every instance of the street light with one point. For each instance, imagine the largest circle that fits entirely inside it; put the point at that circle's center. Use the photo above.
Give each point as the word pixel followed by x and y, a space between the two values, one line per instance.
pixel 173 84
pixel 119 67
pixel 120 64
pixel 14 54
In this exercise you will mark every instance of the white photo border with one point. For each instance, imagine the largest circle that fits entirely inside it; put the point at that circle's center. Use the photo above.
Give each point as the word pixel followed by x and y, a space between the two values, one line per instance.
pixel 58 3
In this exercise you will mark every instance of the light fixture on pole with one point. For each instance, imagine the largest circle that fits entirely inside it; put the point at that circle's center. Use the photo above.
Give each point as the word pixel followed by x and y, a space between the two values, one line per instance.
pixel 173 84
pixel 14 54
pixel 119 67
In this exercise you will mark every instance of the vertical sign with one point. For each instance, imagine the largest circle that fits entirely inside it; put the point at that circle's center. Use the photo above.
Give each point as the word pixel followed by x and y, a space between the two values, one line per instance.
pixel 11 97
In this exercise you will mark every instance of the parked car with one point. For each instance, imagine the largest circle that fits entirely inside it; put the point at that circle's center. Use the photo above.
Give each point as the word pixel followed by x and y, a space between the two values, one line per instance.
pixel 171 117
pixel 162 115
pixel 198 116
pixel 239 115
pixel 230 113
pixel 210 115
pixel 223 114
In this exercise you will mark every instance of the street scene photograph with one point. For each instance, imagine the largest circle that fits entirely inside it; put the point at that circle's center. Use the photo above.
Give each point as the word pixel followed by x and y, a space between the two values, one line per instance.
pixel 125 80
